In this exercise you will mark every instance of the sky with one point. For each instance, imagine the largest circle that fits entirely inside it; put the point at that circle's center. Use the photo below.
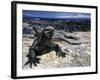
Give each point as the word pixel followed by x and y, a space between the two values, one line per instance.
pixel 51 14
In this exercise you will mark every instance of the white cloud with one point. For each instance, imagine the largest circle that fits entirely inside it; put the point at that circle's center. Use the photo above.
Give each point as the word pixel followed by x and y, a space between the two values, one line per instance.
pixel 77 16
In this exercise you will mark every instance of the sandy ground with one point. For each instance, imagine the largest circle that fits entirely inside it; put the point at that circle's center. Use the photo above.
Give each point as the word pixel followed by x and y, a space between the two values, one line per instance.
pixel 78 55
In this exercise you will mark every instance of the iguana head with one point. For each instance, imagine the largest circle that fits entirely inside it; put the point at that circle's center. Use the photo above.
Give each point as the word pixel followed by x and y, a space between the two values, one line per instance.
pixel 49 31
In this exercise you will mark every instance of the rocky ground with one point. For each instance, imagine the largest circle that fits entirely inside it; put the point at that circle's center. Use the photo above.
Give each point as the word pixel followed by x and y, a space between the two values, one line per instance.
pixel 78 55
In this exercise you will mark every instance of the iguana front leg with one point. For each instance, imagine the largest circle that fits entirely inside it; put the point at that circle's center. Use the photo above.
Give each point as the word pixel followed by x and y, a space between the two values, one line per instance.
pixel 32 58
pixel 58 51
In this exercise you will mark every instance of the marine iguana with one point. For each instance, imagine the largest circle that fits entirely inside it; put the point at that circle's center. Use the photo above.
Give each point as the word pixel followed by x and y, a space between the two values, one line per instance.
pixel 44 44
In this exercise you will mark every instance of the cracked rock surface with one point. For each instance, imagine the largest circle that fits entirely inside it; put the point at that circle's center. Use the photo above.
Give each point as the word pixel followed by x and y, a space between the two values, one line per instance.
pixel 78 55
